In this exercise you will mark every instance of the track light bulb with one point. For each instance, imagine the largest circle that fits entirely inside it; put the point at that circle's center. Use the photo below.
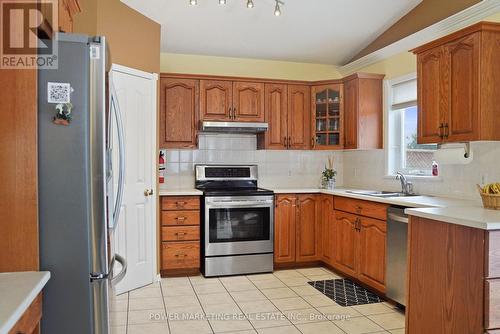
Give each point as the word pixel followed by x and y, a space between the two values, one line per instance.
pixel 249 4
pixel 222 2
pixel 193 2
pixel 277 9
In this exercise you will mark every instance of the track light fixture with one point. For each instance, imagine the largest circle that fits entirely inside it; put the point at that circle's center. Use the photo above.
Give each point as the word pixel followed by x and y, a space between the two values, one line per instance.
pixel 277 8
pixel 250 4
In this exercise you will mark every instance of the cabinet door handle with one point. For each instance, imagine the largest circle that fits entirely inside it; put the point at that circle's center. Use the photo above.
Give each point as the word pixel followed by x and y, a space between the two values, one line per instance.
pixel 289 142
pixel 313 142
pixel 234 113
pixel 284 142
pixel 441 133
pixel 446 131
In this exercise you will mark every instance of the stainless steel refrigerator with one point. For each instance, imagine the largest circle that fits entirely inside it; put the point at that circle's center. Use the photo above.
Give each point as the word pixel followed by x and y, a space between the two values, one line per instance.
pixel 77 112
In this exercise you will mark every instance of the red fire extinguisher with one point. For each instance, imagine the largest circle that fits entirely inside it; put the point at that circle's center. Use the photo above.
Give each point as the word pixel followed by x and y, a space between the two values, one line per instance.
pixel 161 168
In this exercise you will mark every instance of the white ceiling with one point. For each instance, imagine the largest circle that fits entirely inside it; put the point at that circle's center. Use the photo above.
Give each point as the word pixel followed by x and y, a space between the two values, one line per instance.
pixel 314 31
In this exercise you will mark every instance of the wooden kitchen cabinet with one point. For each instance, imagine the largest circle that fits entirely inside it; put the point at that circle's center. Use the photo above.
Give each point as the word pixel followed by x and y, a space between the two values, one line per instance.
pixel 287 112
pixel 346 242
pixel 216 100
pixel 178 112
pixel 248 101
pixel 372 251
pixel 307 227
pixel 360 240
pixel 327 230
pixel 363 113
pixel 67 9
pixel 299 117
pixel 446 278
pixel 29 323
pixel 276 115
pixel 180 235
pixel 457 79
pixel 231 101
pixel 284 228
pixel 296 232
pixel 327 117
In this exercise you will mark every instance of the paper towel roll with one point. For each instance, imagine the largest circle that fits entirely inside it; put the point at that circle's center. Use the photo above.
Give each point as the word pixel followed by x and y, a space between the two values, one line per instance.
pixel 452 154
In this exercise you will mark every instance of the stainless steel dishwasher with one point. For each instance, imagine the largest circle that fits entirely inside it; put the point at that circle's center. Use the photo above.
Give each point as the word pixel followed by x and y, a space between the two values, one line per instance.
pixel 397 241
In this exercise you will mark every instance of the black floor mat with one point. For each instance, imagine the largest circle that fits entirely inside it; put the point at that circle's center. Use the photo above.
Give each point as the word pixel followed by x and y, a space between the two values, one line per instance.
pixel 345 292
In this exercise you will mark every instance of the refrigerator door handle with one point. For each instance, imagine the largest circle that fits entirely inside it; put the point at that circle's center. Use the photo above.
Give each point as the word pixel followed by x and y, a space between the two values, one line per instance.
pixel 121 152
pixel 116 279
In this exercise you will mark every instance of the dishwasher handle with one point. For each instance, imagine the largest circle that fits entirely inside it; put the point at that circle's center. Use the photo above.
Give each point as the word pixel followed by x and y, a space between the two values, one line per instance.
pixel 397 218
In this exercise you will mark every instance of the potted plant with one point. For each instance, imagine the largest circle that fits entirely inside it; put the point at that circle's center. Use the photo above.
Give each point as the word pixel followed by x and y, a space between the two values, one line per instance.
pixel 328 175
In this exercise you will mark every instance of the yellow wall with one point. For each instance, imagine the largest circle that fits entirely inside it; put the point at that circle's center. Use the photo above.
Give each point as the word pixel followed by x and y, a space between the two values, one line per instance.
pixel 195 64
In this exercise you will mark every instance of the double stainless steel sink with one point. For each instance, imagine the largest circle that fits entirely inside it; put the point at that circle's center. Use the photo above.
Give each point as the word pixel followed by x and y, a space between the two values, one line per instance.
pixel 376 193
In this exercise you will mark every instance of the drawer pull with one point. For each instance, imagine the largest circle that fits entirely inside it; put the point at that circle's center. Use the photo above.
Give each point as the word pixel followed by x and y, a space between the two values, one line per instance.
pixel 180 255
pixel 181 218
pixel 180 203
pixel 180 234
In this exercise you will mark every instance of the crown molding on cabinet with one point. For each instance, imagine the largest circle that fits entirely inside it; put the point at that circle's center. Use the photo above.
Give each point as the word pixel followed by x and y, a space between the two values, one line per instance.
pixel 451 24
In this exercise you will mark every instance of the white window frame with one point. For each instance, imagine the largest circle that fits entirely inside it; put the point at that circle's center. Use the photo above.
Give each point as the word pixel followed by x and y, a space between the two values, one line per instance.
pixel 391 143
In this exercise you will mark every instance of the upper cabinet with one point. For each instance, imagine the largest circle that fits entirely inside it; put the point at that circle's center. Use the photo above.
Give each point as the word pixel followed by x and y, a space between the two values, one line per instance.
pixel 216 100
pixel 300 115
pixel 178 112
pixel 458 76
pixel 66 10
pixel 230 101
pixel 287 112
pixel 248 102
pixel 327 117
pixel 363 123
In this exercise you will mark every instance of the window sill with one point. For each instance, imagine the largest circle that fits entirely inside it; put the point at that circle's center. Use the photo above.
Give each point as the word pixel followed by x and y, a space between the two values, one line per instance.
pixel 423 178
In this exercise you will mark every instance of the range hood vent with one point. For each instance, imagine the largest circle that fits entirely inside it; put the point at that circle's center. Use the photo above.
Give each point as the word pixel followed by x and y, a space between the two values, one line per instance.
pixel 234 127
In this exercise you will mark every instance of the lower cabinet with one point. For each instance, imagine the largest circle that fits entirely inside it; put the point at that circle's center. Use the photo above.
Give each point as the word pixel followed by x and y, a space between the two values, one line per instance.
pixel 371 252
pixel 346 242
pixel 29 323
pixel 180 234
pixel 327 230
pixel 360 248
pixel 296 228
pixel 346 234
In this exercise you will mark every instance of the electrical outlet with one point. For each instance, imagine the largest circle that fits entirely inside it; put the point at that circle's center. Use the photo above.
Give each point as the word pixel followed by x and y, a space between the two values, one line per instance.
pixel 355 172
pixel 484 178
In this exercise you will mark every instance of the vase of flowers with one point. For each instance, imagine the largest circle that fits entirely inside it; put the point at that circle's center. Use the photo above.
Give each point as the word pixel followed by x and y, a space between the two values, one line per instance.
pixel 328 175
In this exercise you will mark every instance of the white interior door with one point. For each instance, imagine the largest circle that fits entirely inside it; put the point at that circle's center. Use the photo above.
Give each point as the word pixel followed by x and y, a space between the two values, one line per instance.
pixel 135 235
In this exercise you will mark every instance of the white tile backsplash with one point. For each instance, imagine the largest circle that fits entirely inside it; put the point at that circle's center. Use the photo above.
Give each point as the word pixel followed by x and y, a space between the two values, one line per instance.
pixel 357 169
pixel 276 168
pixel 366 169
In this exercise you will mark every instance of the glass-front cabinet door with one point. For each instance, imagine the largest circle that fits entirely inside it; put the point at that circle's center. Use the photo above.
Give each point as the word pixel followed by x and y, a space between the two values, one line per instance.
pixel 327 115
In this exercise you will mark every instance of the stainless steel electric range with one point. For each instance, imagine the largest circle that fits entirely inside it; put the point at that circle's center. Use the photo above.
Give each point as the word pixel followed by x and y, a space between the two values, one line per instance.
pixel 237 223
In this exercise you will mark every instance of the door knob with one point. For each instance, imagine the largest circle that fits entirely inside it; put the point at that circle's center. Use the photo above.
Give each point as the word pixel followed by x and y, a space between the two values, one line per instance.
pixel 148 192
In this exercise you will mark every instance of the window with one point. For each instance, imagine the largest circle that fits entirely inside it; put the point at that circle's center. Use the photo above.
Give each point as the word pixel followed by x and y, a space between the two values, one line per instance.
pixel 404 154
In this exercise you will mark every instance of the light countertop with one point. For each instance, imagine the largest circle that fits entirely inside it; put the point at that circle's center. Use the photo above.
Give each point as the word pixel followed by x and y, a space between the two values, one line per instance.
pixel 180 192
pixel 455 211
pixel 476 217
pixel 17 292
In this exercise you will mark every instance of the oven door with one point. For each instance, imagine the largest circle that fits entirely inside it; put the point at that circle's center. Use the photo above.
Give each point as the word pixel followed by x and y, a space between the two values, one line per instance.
pixel 239 225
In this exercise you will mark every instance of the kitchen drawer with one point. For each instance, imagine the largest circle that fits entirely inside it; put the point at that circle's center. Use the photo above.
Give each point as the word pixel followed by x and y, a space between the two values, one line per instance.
pixel 180 203
pixel 180 233
pixel 180 255
pixel 492 303
pixel 493 254
pixel 30 319
pixel 360 207
pixel 175 218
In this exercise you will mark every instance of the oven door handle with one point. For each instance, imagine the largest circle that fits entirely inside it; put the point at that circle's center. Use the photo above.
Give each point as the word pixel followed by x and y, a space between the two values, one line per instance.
pixel 236 204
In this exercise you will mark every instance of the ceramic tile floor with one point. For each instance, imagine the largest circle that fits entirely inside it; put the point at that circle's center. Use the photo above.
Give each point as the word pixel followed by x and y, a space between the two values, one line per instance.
pixel 278 303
